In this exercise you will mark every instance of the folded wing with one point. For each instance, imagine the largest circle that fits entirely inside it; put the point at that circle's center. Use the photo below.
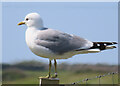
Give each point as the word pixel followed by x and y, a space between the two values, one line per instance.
pixel 59 42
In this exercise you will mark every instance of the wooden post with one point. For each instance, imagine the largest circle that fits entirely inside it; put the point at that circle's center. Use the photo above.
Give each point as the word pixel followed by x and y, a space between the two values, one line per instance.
pixel 49 82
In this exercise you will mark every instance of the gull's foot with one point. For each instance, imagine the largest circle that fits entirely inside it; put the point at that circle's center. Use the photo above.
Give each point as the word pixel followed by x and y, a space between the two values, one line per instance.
pixel 55 75
pixel 48 76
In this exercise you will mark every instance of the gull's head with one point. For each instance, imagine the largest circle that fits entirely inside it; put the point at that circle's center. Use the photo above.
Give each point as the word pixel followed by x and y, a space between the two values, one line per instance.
pixel 32 20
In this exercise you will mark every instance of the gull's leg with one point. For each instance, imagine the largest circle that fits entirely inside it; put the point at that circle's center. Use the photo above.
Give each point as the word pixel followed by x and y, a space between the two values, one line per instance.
pixel 49 68
pixel 55 64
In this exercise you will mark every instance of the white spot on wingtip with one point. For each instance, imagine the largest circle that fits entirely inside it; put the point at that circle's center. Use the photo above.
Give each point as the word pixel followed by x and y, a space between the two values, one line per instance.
pixel 112 43
pixel 98 44
pixel 105 44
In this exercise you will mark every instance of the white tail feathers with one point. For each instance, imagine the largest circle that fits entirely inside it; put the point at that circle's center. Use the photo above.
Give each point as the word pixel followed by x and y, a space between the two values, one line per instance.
pixel 110 47
pixel 93 50
pixel 88 51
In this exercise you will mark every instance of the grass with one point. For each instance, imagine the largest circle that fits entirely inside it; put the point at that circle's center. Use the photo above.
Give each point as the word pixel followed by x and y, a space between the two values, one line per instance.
pixel 66 77
pixel 28 73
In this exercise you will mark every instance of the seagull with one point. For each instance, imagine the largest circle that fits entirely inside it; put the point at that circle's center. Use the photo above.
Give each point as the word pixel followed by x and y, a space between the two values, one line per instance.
pixel 54 44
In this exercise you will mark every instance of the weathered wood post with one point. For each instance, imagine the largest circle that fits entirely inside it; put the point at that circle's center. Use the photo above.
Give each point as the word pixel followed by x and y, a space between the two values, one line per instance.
pixel 49 81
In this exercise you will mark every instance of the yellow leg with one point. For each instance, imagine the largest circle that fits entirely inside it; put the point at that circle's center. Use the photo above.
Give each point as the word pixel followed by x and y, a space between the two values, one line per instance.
pixel 49 68
pixel 55 64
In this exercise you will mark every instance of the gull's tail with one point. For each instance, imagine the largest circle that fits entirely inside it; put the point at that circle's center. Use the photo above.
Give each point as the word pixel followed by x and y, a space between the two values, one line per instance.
pixel 97 47
pixel 103 45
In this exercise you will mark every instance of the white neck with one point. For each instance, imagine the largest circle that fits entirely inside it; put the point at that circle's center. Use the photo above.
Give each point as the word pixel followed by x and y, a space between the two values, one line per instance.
pixel 39 26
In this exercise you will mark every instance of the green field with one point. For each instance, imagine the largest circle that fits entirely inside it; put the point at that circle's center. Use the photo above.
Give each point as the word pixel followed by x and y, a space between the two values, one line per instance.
pixel 66 77
pixel 28 73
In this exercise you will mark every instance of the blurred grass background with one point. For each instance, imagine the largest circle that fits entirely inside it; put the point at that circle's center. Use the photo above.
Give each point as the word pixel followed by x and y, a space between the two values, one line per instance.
pixel 28 72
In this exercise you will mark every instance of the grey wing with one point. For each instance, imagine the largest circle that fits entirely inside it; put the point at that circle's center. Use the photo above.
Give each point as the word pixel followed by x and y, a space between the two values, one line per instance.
pixel 60 42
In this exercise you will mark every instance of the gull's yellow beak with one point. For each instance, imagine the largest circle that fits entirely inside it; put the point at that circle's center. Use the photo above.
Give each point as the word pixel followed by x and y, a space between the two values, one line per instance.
pixel 21 23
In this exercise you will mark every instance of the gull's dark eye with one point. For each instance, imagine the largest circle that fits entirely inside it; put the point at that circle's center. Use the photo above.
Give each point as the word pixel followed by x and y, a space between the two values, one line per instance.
pixel 27 19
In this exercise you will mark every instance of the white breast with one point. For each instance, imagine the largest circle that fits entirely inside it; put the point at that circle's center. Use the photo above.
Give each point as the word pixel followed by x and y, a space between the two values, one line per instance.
pixel 31 35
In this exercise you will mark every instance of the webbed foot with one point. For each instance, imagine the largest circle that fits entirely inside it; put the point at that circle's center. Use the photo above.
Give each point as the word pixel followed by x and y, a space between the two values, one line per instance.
pixel 48 76
pixel 55 75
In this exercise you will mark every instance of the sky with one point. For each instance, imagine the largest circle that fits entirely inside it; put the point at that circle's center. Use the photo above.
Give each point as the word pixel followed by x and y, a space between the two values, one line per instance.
pixel 94 21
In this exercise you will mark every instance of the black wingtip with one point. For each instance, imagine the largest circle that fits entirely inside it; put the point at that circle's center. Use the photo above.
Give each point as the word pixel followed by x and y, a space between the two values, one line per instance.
pixel 114 47
pixel 114 42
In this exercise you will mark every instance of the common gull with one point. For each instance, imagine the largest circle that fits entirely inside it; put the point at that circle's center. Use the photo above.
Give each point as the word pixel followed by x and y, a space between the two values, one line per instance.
pixel 54 44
